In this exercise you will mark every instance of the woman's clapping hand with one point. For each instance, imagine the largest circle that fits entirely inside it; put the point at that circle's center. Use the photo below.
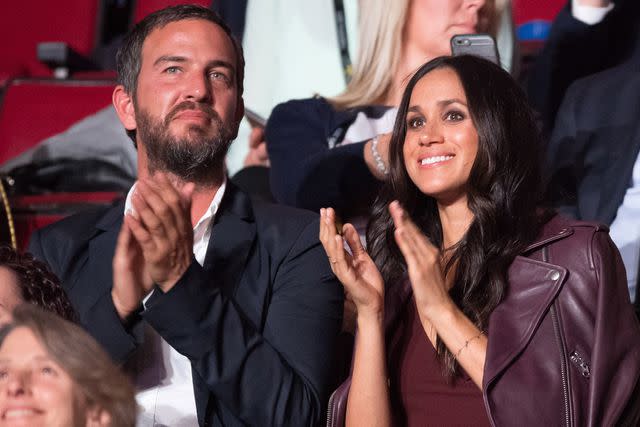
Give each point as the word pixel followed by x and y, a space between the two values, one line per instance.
pixel 424 263
pixel 357 271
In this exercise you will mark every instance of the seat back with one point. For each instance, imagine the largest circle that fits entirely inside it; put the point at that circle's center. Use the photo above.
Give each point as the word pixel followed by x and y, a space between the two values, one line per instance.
pixel 24 24
pixel 145 7
pixel 34 109
pixel 533 18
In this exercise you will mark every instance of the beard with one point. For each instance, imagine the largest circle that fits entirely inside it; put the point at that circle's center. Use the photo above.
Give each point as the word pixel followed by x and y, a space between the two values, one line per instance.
pixel 195 156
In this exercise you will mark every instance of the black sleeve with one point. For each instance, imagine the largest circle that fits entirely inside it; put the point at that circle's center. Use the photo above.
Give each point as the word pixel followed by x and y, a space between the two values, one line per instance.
pixel 563 162
pixel 305 172
pixel 574 50
pixel 275 375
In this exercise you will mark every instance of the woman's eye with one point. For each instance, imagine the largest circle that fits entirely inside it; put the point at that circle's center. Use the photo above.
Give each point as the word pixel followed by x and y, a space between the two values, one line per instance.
pixel 454 116
pixel 416 122
pixel 47 370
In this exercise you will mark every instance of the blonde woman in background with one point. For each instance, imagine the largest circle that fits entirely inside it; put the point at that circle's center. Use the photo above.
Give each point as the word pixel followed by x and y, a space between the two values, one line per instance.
pixel 332 151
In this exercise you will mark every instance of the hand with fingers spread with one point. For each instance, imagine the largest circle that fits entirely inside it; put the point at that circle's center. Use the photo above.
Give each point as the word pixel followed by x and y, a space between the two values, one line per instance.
pixel 423 262
pixel 357 271
pixel 131 280
pixel 162 228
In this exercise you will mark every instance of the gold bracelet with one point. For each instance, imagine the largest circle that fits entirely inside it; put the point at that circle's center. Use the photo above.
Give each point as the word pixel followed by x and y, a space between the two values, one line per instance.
pixel 466 343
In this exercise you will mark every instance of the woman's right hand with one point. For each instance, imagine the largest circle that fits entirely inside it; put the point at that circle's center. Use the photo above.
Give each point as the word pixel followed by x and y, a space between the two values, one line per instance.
pixel 357 271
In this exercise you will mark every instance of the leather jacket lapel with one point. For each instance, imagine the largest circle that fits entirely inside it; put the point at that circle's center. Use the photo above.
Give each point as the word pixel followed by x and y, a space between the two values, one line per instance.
pixel 533 285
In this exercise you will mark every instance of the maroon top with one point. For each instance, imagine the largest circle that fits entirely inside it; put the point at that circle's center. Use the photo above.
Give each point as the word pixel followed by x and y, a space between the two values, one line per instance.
pixel 420 394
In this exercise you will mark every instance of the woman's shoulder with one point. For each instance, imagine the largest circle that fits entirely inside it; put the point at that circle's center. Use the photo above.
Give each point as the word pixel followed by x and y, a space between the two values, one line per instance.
pixel 574 245
pixel 559 227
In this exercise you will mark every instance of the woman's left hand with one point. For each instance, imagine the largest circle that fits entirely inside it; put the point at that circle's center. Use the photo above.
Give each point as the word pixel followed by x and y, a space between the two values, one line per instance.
pixel 423 263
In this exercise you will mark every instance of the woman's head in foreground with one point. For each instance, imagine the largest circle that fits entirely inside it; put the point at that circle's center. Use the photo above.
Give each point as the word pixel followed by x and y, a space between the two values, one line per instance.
pixel 52 373
pixel 26 279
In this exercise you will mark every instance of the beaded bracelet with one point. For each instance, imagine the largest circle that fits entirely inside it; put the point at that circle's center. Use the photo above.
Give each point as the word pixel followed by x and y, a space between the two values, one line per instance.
pixel 377 157
pixel 466 343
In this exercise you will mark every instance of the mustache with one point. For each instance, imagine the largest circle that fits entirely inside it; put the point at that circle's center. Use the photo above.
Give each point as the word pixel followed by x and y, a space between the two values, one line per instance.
pixel 195 106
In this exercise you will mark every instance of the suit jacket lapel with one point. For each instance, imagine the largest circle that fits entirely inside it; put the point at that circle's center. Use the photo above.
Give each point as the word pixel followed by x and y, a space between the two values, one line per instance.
pixel 98 270
pixel 232 238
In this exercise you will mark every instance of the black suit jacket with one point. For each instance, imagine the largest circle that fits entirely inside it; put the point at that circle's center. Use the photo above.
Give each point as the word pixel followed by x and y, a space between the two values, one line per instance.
pixel 258 321
pixel 595 144
pixel 575 50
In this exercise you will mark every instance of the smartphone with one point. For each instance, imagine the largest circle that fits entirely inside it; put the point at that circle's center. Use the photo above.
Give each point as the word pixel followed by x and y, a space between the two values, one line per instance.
pixel 254 119
pixel 481 45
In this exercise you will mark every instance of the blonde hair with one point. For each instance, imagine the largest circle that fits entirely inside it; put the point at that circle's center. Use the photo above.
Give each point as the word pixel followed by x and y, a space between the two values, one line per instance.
pixel 380 32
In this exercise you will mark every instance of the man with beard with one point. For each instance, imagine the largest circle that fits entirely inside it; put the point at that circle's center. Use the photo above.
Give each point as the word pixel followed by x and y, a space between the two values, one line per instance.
pixel 224 310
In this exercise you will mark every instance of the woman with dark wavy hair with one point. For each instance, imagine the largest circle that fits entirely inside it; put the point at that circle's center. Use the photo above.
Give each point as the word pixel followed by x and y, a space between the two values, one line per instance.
pixel 26 279
pixel 476 306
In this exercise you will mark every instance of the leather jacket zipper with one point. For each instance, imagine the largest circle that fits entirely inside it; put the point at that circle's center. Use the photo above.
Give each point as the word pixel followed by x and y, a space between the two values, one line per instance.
pixel 563 363
pixel 583 366
pixel 332 399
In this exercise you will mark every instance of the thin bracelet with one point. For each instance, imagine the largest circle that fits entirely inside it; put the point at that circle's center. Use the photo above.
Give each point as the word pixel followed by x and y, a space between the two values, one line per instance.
pixel 466 343
pixel 377 157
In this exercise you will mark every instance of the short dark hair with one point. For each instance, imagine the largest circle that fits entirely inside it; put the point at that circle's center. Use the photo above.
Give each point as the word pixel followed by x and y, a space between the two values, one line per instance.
pixel 38 285
pixel 91 369
pixel 129 56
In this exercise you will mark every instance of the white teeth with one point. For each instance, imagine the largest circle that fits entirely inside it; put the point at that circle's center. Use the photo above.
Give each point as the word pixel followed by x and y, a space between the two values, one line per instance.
pixel 16 413
pixel 435 159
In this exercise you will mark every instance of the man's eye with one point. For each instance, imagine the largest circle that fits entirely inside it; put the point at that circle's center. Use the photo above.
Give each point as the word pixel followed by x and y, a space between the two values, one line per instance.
pixel 217 75
pixel 4 374
pixel 171 70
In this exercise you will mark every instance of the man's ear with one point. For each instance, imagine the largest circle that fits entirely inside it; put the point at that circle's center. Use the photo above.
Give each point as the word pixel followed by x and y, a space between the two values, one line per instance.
pixel 123 103
pixel 239 110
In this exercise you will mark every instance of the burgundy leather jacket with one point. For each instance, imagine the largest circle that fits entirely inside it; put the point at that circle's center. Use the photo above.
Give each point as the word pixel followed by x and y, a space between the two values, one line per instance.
pixel 564 345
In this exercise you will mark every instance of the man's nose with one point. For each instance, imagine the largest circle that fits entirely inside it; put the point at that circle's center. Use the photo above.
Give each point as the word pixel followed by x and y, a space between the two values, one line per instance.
pixel 198 88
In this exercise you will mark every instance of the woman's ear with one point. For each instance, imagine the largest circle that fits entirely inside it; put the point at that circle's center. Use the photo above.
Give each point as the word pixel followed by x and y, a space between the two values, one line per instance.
pixel 98 417
pixel 124 106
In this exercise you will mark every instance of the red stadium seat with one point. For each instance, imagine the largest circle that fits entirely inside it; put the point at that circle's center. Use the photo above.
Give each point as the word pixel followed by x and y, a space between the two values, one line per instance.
pixel 34 109
pixel 145 7
pixel 24 24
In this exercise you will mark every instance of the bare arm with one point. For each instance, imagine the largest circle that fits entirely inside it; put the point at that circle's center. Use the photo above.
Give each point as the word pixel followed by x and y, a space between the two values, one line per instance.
pixel 368 402
pixel 438 314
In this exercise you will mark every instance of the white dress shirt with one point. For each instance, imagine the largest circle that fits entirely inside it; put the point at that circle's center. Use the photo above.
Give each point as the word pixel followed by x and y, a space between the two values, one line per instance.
pixel 163 380
pixel 590 15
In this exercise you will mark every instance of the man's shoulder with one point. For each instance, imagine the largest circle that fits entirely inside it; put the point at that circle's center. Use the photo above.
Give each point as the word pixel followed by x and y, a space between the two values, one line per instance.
pixel 614 85
pixel 285 220
pixel 80 226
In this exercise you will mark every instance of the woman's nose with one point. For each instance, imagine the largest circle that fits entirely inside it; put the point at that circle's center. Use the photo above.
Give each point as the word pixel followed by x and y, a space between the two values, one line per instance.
pixel 18 383
pixel 430 135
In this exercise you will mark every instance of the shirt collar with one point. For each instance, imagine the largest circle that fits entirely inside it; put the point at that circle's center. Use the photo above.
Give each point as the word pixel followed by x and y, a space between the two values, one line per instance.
pixel 205 220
